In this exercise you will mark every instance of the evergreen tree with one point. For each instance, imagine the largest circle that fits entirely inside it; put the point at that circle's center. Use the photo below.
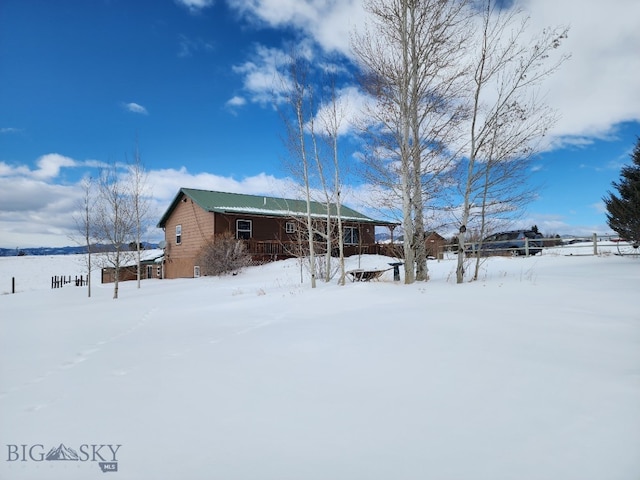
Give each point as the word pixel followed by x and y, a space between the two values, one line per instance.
pixel 623 209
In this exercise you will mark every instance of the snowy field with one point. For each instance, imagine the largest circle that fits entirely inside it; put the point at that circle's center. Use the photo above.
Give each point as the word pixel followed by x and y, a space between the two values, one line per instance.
pixel 532 372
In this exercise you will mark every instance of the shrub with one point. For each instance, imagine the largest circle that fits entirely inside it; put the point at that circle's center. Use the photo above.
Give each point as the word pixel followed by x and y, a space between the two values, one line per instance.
pixel 222 255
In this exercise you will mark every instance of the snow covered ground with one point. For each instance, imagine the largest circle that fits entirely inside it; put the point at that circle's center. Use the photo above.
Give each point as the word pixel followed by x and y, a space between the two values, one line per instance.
pixel 532 372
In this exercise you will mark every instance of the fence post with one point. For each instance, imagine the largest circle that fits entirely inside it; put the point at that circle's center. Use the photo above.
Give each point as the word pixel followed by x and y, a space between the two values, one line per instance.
pixel 13 284
pixel 595 244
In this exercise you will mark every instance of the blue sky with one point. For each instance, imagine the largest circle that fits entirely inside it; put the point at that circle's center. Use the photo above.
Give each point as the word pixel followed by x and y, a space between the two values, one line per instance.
pixel 192 81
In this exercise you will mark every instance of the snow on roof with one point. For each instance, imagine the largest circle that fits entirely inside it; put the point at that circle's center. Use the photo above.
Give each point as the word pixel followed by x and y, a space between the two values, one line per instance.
pixel 282 213
pixel 224 202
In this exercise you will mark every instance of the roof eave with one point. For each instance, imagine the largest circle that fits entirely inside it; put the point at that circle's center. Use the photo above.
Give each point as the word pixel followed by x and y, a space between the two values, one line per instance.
pixel 301 214
pixel 172 206
pixel 182 192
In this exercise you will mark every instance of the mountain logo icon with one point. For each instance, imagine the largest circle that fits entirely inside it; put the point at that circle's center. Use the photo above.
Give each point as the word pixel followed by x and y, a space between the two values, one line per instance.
pixel 62 453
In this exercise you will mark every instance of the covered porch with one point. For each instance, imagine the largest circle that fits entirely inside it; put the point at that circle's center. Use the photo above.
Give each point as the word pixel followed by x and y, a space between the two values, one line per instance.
pixel 269 250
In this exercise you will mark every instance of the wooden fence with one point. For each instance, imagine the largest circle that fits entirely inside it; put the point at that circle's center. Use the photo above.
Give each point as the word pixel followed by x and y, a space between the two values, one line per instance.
pixel 61 281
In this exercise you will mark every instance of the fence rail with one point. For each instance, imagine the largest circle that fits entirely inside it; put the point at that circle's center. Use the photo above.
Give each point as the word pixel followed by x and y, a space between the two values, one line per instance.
pixel 62 280
pixel 592 245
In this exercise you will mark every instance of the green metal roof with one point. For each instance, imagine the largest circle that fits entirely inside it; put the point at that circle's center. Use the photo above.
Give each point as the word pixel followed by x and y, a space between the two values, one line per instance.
pixel 222 202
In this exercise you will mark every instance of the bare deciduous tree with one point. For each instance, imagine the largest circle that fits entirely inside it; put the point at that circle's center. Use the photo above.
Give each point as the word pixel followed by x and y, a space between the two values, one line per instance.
pixel 84 223
pixel 332 118
pixel 114 220
pixel 410 57
pixel 507 114
pixel 309 146
pixel 140 204
pixel 298 98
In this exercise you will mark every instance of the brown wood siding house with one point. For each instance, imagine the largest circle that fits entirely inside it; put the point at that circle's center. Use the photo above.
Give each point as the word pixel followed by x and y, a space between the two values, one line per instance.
pixel 149 268
pixel 268 225
pixel 435 244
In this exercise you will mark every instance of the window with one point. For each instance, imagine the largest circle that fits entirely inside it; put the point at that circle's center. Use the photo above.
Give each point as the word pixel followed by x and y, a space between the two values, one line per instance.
pixel 243 229
pixel 196 271
pixel 351 236
pixel 178 234
pixel 290 227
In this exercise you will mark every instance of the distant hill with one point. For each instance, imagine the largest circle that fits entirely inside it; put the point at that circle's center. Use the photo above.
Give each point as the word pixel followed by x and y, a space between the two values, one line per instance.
pixel 14 252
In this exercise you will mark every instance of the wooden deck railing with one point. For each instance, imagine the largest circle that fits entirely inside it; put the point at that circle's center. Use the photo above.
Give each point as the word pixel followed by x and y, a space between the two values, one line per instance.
pixel 275 250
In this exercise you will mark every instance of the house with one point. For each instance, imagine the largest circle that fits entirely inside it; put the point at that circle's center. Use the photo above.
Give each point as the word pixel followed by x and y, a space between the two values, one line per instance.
pixel 150 267
pixel 271 227
pixel 435 244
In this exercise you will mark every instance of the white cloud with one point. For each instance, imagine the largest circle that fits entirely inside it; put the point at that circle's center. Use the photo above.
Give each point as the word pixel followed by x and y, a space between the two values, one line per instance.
pixel 560 225
pixel 592 92
pixel 278 13
pixel 135 108
pixel 263 80
pixel 236 101
pixel 167 182
pixel 350 102
pixel 266 81
pixel 195 6
pixel 327 23
pixel 38 211
pixel 9 130
pixel 598 87
pixel 7 170
pixel 49 166
pixel 35 212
